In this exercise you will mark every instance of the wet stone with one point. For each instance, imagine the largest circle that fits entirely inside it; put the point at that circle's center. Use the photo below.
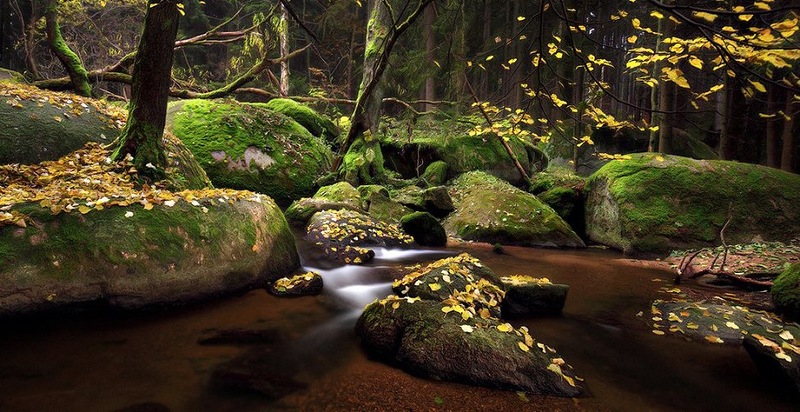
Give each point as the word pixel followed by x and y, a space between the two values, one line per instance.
pixel 527 295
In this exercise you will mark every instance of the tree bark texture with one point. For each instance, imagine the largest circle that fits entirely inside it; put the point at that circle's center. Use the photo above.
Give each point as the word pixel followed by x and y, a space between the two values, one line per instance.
pixel 283 33
pixel 71 62
pixel 792 111
pixel 152 75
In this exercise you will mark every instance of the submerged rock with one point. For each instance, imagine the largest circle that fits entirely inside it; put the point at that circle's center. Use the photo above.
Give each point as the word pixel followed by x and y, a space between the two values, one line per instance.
pixel 526 295
pixel 256 371
pixel 248 146
pixel 132 256
pixel 492 211
pixel 305 284
pixel 776 359
pixel 655 203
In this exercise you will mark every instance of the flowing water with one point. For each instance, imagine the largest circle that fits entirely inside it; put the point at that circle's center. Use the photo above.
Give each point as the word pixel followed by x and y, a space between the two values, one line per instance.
pixel 152 361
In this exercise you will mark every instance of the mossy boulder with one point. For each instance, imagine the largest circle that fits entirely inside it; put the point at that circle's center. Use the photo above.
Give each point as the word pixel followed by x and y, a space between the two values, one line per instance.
pixel 435 200
pixel 569 203
pixel 385 209
pixel 130 257
pixel 435 174
pixel 11 76
pixel 443 323
pixel 304 284
pixel 655 203
pixel 315 123
pixel 347 235
pixel 527 295
pixel 786 291
pixel 425 228
pixel 337 196
pixel 490 210
pixel 410 150
pixel 38 125
pixel 248 146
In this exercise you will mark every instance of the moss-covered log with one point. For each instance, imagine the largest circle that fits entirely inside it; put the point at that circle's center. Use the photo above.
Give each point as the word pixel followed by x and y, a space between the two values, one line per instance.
pixel 72 63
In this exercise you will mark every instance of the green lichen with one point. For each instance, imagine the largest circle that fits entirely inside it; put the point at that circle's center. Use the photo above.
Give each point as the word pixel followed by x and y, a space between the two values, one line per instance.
pixel 786 291
pixel 652 203
pixel 210 128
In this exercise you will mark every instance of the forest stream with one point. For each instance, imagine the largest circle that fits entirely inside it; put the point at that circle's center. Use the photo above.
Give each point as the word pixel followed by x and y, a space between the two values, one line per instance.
pixel 153 361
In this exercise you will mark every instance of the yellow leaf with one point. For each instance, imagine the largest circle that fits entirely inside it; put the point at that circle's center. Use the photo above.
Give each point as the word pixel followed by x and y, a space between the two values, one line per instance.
pixel 758 85
pixel 520 18
pixel 709 17
pixel 490 57
pixel 692 325
pixel 745 17
pixel 434 286
pixel 506 327
pixel 732 325
pixel 786 335
pixel 714 339
pixel 658 332
pixel 656 14
pixel 84 209
pixel 467 328
pixel 523 346
pixel 762 5
pixel 696 62
pixel 632 39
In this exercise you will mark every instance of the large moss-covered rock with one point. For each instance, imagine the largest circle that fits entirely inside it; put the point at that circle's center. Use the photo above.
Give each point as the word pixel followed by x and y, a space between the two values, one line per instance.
pixel 248 146
pixel 776 359
pixel 315 123
pixel 337 196
pixel 129 256
pixel 527 295
pixel 425 338
pixel 409 150
pixel 38 125
pixel 654 203
pixel 786 291
pixel 492 211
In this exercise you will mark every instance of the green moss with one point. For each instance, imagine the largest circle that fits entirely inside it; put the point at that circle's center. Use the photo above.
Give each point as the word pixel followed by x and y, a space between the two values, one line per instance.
pixel 165 236
pixel 682 203
pixel 307 117
pixel 291 158
pixel 786 291
pixel 449 141
pixel 435 174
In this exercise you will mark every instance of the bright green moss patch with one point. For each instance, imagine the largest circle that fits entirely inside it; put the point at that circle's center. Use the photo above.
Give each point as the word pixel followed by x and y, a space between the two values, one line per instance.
pixel 786 291
pixel 317 124
pixel 652 203
pixel 491 210
pixel 247 146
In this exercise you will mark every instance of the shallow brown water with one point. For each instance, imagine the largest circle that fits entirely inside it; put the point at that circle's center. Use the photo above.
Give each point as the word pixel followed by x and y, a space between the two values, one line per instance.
pixel 104 362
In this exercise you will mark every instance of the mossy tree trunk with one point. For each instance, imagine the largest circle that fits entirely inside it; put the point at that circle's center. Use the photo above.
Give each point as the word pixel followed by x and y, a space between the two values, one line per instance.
pixel 792 111
pixel 147 110
pixel 68 58
pixel 360 159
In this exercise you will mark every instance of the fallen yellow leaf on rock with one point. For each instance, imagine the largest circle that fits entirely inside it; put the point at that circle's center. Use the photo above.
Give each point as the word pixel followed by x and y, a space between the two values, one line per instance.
pixel 714 339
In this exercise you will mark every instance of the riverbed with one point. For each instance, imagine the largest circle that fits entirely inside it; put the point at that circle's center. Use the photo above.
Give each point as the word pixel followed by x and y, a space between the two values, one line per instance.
pixel 99 361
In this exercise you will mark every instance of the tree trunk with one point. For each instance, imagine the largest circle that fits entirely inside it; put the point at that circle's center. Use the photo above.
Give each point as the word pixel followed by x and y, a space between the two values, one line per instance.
pixel 283 34
pixel 787 154
pixel 735 110
pixel 360 159
pixel 666 103
pixel 71 62
pixel 773 143
pixel 152 67
pixel 430 56
pixel 484 89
